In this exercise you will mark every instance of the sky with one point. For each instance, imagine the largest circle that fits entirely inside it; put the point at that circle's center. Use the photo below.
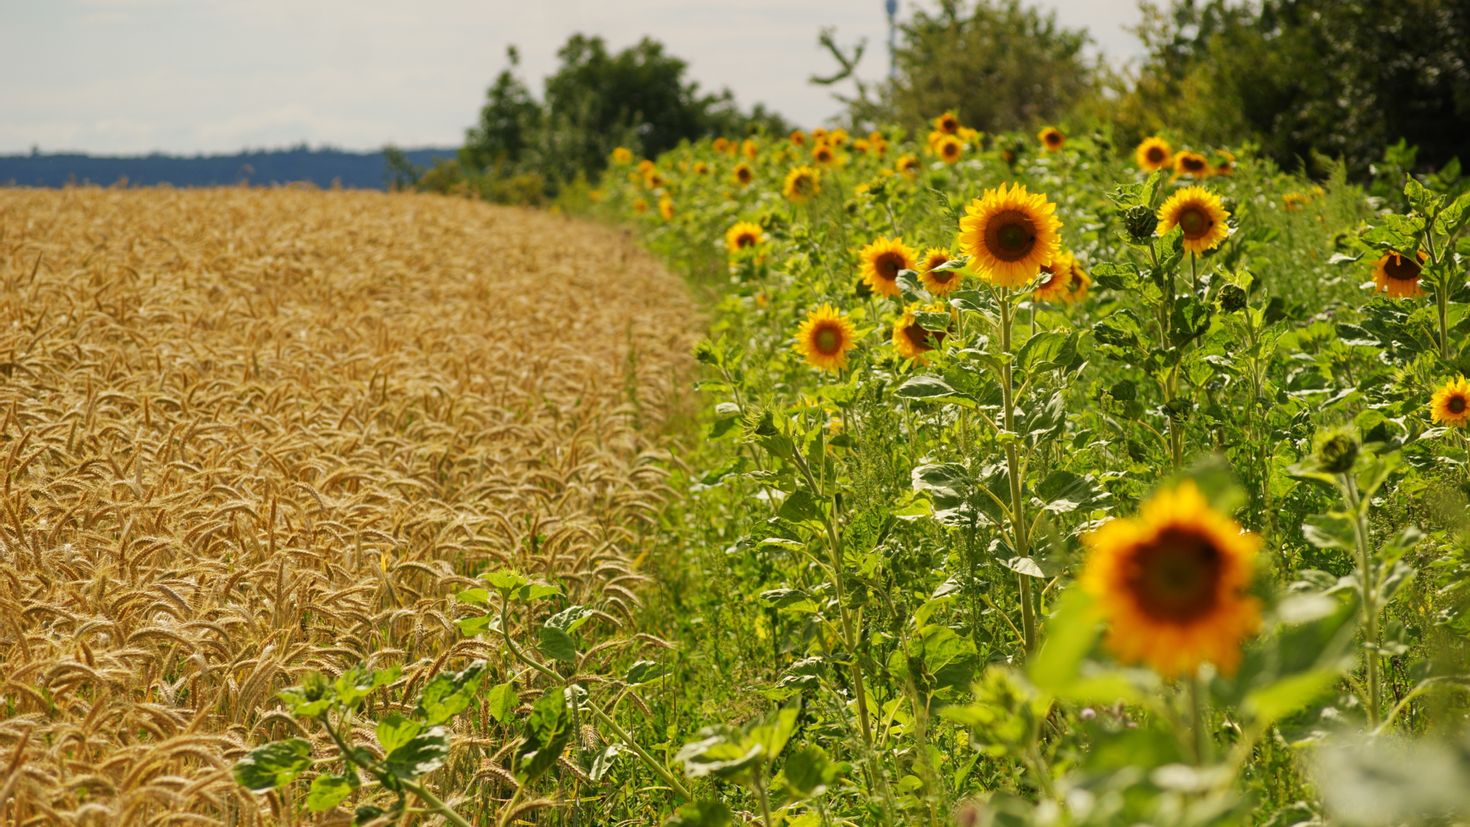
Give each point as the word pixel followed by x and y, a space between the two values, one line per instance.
pixel 205 76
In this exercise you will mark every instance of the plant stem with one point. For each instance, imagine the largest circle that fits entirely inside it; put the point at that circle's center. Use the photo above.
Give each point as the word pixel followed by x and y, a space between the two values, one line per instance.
pixel 1368 582
pixel 1013 470
pixel 1197 719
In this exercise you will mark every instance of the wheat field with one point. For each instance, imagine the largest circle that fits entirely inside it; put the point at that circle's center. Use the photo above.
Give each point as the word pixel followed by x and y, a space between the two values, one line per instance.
pixel 248 434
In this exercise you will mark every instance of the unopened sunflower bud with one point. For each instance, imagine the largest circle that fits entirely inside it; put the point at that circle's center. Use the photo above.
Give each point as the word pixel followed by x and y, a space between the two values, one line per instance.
pixel 1140 222
pixel 1337 450
pixel 1232 298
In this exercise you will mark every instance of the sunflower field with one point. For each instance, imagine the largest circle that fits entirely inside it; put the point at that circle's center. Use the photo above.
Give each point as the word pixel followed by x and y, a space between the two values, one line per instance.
pixel 1048 481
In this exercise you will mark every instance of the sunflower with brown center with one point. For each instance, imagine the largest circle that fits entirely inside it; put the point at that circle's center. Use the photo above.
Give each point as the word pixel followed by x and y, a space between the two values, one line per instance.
pixel 666 208
pixel 802 185
pixel 881 262
pixel 798 138
pixel 1199 215
pixel 1051 138
pixel 938 282
pixel 743 174
pixel 823 156
pixel 1056 279
pixel 1451 403
pixel 910 338
pixel 948 123
pixel 622 156
pixel 1398 275
pixel 908 165
pixel 825 338
pixel 1008 234
pixel 743 236
pixel 1192 164
pixel 949 149
pixel 1077 282
pixel 1153 154
pixel 1172 584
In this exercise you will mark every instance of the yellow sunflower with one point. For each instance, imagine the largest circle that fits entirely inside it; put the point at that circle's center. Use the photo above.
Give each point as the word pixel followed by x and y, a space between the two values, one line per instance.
pixel 818 135
pixel 640 206
pixel 1009 233
pixel 645 166
pixel 1077 282
pixel 881 262
pixel 798 137
pixel 1192 164
pixel 948 123
pixel 701 168
pixel 941 282
pixel 1226 163
pixel 742 236
pixel 1199 214
pixel 802 185
pixel 750 148
pixel 949 148
pixel 823 155
pixel 1451 404
pixel 622 156
pixel 744 174
pixel 825 338
pixel 666 208
pixel 1398 275
pixel 837 137
pixel 1051 138
pixel 911 340
pixel 1172 583
pixel 1056 279
pixel 1153 154
pixel 908 165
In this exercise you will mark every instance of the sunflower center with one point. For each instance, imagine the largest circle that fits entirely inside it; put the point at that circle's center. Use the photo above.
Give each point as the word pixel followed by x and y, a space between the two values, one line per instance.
pixel 1195 222
pixel 1047 276
pixel 1401 268
pixel 1456 404
pixel 827 340
pixel 887 265
pixel 1155 155
pixel 1176 576
pixel 951 149
pixel 940 276
pixel 921 337
pixel 1010 236
pixel 1075 283
pixel 744 240
pixel 1194 164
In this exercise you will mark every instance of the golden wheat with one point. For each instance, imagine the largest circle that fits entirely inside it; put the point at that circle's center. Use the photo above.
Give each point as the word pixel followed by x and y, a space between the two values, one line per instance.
pixel 246 434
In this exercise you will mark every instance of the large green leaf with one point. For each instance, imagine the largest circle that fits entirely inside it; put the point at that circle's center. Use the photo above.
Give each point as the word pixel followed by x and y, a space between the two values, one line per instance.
pixel 273 765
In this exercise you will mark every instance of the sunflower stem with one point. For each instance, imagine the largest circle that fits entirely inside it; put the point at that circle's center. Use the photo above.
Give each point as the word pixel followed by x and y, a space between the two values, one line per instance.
pixel 1197 722
pixel 1013 470
pixel 1368 583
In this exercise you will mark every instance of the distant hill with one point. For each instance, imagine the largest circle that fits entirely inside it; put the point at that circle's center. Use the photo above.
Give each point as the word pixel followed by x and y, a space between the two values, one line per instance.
pixel 323 167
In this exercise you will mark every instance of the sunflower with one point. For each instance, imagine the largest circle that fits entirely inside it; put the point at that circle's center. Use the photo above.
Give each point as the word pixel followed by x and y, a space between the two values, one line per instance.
pixel 861 146
pixel 910 339
pixel 818 135
pixel 1199 214
pixel 881 262
pixel 622 156
pixel 823 155
pixel 940 282
pixel 837 137
pixel 1055 276
pixel 1172 583
pixel 1192 164
pixel 1009 233
pixel 798 138
pixel 948 123
pixel 1226 163
pixel 802 184
pixel 1451 404
pixel 701 168
pixel 1153 154
pixel 1398 275
pixel 1051 138
pixel 640 206
pixel 743 235
pixel 825 338
pixel 907 164
pixel 1293 201
pixel 1077 282
pixel 721 145
pixel 666 208
pixel 949 148
pixel 750 148
pixel 744 174
pixel 653 180
pixel 645 166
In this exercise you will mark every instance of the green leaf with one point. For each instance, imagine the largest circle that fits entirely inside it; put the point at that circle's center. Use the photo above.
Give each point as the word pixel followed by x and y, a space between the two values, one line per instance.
pixel 926 386
pixel 701 814
pixel 1275 701
pixel 808 772
pixel 501 701
pixel 327 791
pixel 1334 530
pixel 396 730
pixel 799 507
pixel 449 694
pixel 504 581
pixel 645 671
pixel 273 765
pixel 571 618
pixel 420 755
pixel 556 644
pixel 1069 634
pixel 548 729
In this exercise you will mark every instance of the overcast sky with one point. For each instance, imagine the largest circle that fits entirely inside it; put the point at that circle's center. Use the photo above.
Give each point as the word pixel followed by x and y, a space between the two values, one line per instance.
pixel 186 76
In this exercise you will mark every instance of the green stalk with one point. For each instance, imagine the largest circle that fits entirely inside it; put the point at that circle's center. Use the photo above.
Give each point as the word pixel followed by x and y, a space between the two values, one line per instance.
pixel 1013 469
pixel 1369 584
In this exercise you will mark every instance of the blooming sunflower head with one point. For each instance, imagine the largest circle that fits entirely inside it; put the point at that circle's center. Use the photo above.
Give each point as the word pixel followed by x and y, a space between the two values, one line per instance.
pixel 823 155
pixel 622 156
pixel 1153 154
pixel 750 148
pixel 825 337
pixel 802 185
pixel 907 164
pixel 701 168
pixel 666 208
pixel 743 174
pixel 1398 275
pixel 721 145
pixel 1192 164
pixel 1055 282
pixel 949 149
pixel 911 339
pixel 881 262
pixel 1008 233
pixel 743 236
pixel 948 123
pixel 1077 281
pixel 1199 215
pixel 1451 403
pixel 1051 138
pixel 798 138
pixel 938 282
pixel 1172 583
pixel 653 180
pixel 1225 162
